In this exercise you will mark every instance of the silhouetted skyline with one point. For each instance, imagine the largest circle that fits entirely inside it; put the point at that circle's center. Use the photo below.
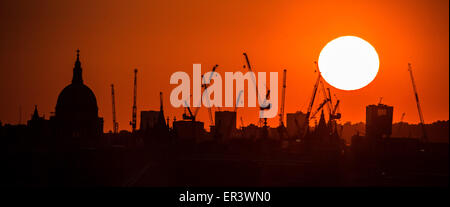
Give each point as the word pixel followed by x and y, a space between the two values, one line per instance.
pixel 159 38
pixel 67 67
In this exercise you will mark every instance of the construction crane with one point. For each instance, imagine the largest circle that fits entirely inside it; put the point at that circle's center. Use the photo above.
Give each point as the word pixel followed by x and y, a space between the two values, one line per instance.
pixel 311 103
pixel 319 108
pixel 249 67
pixel 329 96
pixel 324 92
pixel 281 128
pixel 283 98
pixel 115 124
pixel 191 115
pixel 133 115
pixel 419 109
pixel 264 107
pixel 238 99
pixel 335 113
pixel 332 111
pixel 205 89
pixel 204 86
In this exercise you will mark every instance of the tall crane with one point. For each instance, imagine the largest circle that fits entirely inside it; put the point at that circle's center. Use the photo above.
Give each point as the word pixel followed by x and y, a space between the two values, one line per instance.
pixel 238 99
pixel 133 115
pixel 264 107
pixel 204 86
pixel 319 108
pixel 115 124
pixel 332 111
pixel 422 123
pixel 335 113
pixel 249 67
pixel 311 103
pixel 283 98
pixel 326 96
pixel 205 89
pixel 191 116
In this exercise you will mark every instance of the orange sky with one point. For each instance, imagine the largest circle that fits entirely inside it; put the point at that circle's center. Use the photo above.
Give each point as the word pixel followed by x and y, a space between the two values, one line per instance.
pixel 39 39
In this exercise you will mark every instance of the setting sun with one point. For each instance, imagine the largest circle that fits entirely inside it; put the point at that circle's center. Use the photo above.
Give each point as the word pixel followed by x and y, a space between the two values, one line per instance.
pixel 348 63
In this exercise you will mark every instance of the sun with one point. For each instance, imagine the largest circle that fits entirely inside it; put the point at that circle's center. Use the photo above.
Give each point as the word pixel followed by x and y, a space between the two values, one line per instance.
pixel 348 63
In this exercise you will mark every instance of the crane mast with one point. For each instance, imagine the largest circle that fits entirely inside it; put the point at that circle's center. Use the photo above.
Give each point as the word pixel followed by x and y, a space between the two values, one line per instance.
pixel 326 95
pixel 133 115
pixel 283 98
pixel 204 86
pixel 313 97
pixel 191 115
pixel 264 107
pixel 338 115
pixel 310 105
pixel 329 102
pixel 422 123
pixel 319 108
pixel 249 67
pixel 115 124
pixel 204 91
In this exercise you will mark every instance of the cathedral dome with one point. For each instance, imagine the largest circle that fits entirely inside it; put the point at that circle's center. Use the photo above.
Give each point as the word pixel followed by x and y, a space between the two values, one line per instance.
pixel 77 101
pixel 77 98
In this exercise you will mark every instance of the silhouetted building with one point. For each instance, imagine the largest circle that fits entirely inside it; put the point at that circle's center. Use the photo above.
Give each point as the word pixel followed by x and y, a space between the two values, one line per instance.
pixel 379 121
pixel 153 125
pixel 35 118
pixel 149 119
pixel 225 124
pixel 188 130
pixel 295 123
pixel 251 131
pixel 76 112
pixel 38 126
pixel 322 131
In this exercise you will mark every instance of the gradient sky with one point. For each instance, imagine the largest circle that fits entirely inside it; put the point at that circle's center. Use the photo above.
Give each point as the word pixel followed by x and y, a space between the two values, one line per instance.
pixel 39 40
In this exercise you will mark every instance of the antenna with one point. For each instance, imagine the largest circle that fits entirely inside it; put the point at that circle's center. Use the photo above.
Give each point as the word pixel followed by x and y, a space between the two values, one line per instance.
pixel 115 124
pixel 422 123
pixel 133 115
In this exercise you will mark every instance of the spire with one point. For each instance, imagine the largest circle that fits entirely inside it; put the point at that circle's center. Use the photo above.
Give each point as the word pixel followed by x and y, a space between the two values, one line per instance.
pixel 322 123
pixel 35 114
pixel 77 75
pixel 322 129
pixel 161 120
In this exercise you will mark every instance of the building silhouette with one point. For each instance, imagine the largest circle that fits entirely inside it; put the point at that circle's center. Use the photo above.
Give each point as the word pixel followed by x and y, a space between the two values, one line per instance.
pixel 71 149
pixel 225 124
pixel 76 112
pixel 295 123
pixel 379 121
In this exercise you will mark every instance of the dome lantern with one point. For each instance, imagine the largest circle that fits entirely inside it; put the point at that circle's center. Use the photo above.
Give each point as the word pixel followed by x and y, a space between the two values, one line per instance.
pixel 77 71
